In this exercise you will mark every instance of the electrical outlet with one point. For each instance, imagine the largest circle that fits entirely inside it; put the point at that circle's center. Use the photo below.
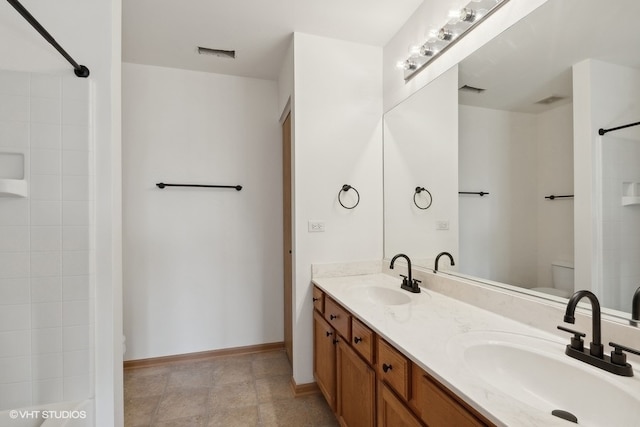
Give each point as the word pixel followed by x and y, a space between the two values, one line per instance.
pixel 442 225
pixel 316 226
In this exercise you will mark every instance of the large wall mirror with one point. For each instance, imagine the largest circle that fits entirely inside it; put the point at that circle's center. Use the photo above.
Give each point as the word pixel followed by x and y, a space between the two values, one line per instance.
pixel 528 107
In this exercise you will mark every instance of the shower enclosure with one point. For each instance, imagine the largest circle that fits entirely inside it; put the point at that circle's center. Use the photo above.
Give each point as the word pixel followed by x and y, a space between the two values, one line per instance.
pixel 46 240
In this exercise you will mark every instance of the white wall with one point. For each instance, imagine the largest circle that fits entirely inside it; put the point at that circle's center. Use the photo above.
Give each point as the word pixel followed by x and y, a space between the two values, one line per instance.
pixel 421 149
pixel 608 96
pixel 433 15
pixel 90 32
pixel 203 267
pixel 337 140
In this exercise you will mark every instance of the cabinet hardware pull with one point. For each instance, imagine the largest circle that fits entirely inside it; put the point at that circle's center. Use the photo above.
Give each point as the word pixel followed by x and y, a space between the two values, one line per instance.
pixel 357 340
pixel 386 368
pixel 315 299
pixel 332 316
pixel 335 341
pixel 329 333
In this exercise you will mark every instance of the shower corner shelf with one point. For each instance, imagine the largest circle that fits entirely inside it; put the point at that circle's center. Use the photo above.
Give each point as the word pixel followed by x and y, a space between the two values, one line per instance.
pixel 630 200
pixel 13 188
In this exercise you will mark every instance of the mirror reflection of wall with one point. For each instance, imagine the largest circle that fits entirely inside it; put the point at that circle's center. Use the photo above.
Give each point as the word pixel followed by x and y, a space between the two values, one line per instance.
pixel 514 235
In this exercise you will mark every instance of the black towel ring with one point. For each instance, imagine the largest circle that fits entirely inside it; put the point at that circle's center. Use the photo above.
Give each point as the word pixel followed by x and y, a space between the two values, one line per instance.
pixel 345 188
pixel 418 191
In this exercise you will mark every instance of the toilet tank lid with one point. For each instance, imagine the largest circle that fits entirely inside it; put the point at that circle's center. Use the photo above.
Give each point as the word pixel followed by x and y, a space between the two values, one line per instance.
pixel 565 264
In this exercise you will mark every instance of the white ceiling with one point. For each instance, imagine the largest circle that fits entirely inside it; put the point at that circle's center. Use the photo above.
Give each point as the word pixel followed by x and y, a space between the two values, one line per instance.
pixel 167 33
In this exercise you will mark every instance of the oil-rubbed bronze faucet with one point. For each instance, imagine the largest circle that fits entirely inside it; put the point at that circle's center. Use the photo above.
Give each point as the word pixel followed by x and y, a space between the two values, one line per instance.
pixel 635 308
pixel 595 356
pixel 408 283
pixel 435 270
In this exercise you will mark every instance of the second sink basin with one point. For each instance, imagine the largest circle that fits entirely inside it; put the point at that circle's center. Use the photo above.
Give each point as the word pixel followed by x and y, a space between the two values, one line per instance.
pixel 381 296
pixel 536 372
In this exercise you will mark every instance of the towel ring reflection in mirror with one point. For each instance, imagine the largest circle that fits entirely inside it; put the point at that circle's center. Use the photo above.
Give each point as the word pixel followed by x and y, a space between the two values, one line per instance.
pixel 345 188
pixel 415 201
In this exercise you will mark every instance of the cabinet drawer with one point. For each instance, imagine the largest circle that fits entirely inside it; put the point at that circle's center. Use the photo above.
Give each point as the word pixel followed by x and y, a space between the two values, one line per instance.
pixel 394 368
pixel 362 340
pixel 438 407
pixel 338 317
pixel 318 299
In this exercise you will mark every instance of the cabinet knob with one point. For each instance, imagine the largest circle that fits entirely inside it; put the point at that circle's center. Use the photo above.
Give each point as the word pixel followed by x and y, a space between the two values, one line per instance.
pixel 329 333
pixel 335 341
pixel 356 340
pixel 332 316
pixel 386 368
pixel 315 299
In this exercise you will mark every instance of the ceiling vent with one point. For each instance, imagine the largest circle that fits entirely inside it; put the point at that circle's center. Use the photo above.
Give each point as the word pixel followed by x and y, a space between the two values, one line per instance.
pixel 467 88
pixel 220 53
pixel 550 100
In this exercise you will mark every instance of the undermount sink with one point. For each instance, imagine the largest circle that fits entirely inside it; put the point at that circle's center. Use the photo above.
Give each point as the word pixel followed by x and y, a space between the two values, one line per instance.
pixel 536 372
pixel 381 296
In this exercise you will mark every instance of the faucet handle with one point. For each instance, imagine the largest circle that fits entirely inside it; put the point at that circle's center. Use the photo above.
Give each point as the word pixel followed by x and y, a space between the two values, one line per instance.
pixel 617 355
pixel 576 341
pixel 405 281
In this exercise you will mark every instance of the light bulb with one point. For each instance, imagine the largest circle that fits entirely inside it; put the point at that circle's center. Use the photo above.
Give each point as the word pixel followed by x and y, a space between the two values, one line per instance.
pixel 468 15
pixel 428 49
pixel 445 34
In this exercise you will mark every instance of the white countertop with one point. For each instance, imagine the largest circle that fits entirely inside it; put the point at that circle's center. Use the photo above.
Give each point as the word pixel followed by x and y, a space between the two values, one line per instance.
pixel 424 331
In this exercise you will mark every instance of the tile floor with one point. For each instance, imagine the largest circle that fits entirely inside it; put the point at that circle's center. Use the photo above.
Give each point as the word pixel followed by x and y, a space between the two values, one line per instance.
pixel 247 390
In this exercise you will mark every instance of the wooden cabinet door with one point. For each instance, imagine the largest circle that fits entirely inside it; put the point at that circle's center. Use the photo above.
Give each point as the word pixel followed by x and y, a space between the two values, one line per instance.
pixel 392 412
pixel 324 358
pixel 356 389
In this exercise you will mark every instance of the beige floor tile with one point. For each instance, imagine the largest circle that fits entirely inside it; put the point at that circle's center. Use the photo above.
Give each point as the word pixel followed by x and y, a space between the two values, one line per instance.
pixel 139 410
pixel 231 371
pixel 197 377
pixel 182 403
pixel 235 417
pixel 197 421
pixel 286 413
pixel 274 388
pixel 145 385
pixel 271 367
pixel 234 395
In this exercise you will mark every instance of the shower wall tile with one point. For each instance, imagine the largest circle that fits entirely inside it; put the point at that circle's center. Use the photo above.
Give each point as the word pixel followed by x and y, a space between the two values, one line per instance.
pixel 75 263
pixel 76 363
pixel 75 239
pixel 46 289
pixel 46 187
pixel 45 135
pixel 14 291
pixel 45 238
pixel 75 338
pixel 75 313
pixel 46 366
pixel 75 188
pixel 15 317
pixel 46 110
pixel 46 315
pixel 14 265
pixel 14 369
pixel 47 391
pixel 46 86
pixel 76 388
pixel 14 134
pixel 14 239
pixel 14 108
pixel 46 340
pixel 45 264
pixel 75 162
pixel 14 212
pixel 14 83
pixel 15 395
pixel 45 162
pixel 75 213
pixel 14 343
pixel 46 213
pixel 74 88
pixel 75 138
pixel 75 288
pixel 75 112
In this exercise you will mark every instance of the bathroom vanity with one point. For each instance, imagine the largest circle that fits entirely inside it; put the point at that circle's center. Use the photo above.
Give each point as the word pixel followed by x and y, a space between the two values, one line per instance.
pixel 387 357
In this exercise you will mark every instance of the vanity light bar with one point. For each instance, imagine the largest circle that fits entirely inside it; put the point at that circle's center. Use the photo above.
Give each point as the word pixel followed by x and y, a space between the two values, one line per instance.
pixel 439 40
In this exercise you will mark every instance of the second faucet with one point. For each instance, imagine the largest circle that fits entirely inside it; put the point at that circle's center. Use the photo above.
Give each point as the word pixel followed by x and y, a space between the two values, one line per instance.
pixel 408 283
